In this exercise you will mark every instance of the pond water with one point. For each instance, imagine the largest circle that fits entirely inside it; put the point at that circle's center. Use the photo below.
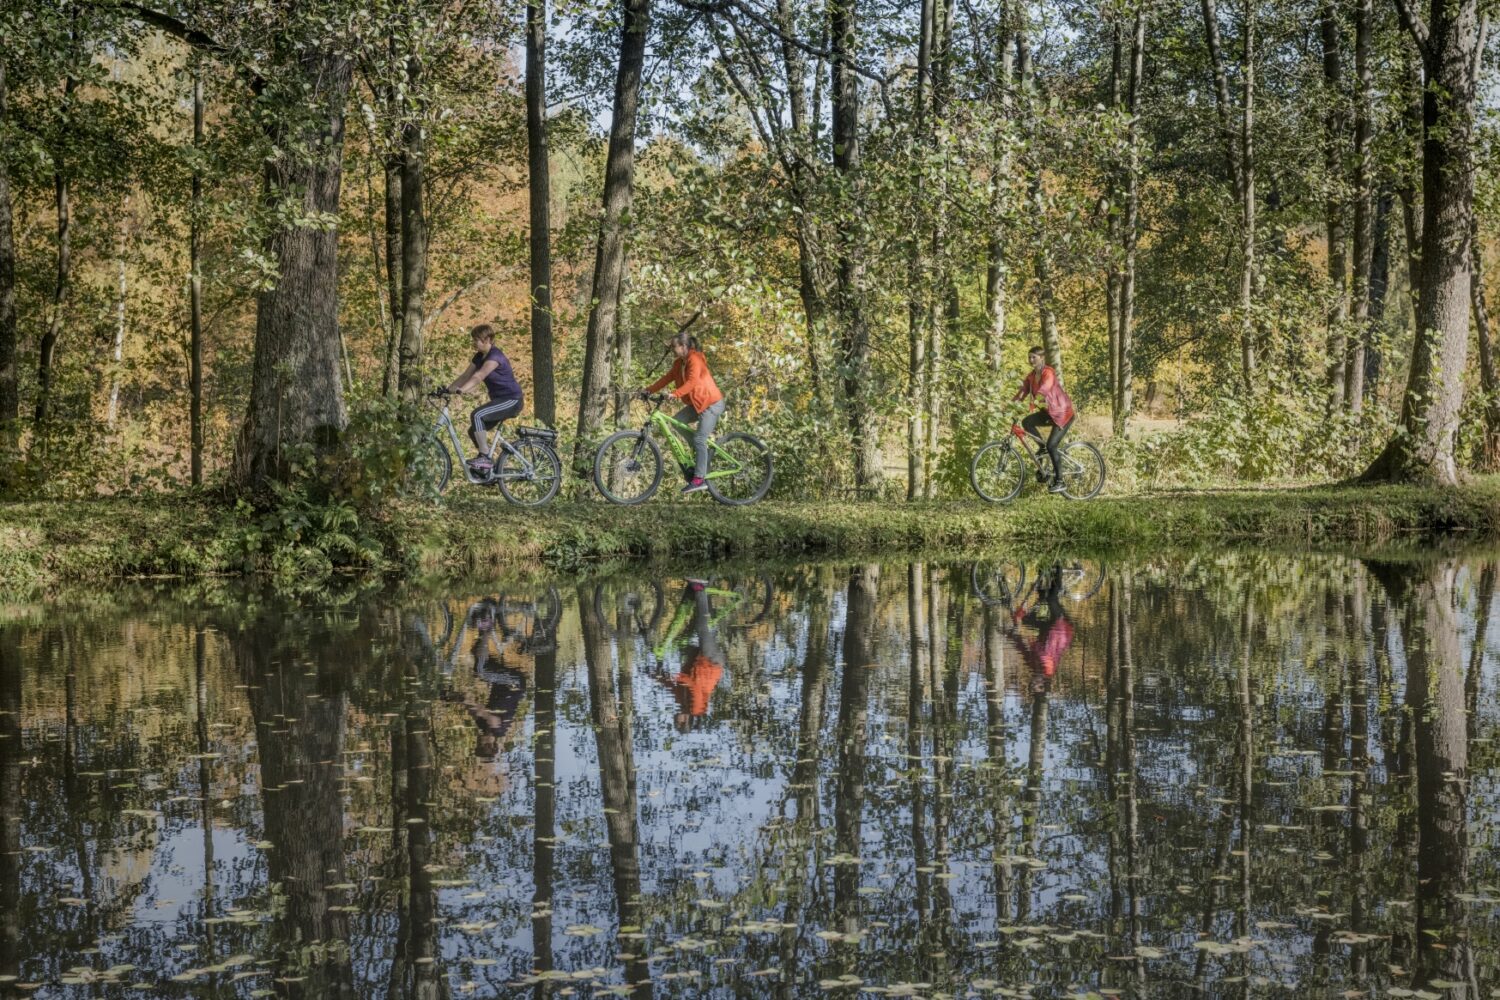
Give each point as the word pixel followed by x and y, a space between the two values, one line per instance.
pixel 1232 774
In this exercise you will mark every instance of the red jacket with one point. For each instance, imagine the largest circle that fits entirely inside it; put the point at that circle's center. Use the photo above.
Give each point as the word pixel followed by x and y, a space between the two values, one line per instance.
pixel 695 385
pixel 1054 398
pixel 694 685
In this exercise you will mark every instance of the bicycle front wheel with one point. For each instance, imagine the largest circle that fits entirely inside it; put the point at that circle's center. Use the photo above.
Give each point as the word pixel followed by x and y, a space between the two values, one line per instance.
pixel 747 462
pixel 1083 471
pixel 998 472
pixel 531 476
pixel 627 468
pixel 429 469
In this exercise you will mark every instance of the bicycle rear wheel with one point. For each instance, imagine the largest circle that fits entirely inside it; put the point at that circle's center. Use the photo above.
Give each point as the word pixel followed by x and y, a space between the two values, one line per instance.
pixel 997 583
pixel 533 486
pixel 1083 471
pixel 750 480
pixel 998 471
pixel 627 468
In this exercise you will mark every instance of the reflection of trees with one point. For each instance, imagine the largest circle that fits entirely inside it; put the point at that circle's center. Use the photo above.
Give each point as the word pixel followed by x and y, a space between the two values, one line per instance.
pixel 1436 693
pixel 854 711
pixel 415 973
pixel 545 798
pixel 10 805
pixel 299 713
pixel 1120 764
pixel 612 731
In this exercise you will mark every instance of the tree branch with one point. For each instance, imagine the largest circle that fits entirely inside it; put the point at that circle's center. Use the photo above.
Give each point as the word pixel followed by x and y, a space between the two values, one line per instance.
pixel 169 25
pixel 1414 25
pixel 723 7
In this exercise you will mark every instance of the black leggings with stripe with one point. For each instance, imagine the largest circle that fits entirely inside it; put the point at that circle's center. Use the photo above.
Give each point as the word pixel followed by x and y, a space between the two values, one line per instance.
pixel 489 415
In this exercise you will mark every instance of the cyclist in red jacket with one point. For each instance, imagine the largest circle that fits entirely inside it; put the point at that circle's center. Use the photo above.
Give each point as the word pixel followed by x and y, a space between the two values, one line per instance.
pixel 705 403
pixel 1042 384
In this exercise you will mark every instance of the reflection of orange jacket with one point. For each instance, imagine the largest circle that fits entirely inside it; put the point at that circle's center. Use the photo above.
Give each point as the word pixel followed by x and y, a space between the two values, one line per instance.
pixel 695 386
pixel 693 686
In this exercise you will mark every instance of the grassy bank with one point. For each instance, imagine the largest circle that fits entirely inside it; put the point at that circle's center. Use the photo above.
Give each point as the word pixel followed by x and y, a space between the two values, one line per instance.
pixel 45 544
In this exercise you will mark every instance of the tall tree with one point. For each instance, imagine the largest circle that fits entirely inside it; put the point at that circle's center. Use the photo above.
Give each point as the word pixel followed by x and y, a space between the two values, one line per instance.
pixel 1489 380
pixel 1239 149
pixel 195 285
pixel 10 398
pixel 62 195
pixel 539 190
pixel 1449 41
pixel 1334 128
pixel 843 18
pixel 1124 366
pixel 609 259
pixel 296 390
pixel 413 157
pixel 1364 204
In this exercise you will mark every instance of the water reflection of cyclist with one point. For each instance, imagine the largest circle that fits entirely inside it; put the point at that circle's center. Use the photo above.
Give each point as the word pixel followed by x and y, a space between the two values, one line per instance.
pixel 1054 631
pixel 695 683
pixel 507 686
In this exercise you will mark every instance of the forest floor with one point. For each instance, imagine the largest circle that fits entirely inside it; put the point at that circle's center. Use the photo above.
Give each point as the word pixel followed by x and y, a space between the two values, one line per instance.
pixel 44 544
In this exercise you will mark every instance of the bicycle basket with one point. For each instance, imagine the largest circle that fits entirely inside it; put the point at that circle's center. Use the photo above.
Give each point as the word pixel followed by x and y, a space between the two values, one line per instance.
pixel 545 434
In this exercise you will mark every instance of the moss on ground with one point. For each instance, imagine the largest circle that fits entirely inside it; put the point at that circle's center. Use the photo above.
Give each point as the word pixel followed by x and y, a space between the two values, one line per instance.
pixel 46 544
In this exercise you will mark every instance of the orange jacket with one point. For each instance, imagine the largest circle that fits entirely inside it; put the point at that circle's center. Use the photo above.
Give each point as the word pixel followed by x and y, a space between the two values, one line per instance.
pixel 1058 405
pixel 695 385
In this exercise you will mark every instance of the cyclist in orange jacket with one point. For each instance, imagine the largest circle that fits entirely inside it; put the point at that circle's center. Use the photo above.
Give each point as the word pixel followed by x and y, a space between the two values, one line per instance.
pixel 1042 383
pixel 705 403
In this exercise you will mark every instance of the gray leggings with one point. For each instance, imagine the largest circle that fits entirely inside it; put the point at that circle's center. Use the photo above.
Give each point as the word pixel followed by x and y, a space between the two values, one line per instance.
pixel 706 421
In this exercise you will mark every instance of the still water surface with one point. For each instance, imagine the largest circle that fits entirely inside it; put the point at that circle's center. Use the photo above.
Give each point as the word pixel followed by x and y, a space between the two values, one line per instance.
pixel 1237 774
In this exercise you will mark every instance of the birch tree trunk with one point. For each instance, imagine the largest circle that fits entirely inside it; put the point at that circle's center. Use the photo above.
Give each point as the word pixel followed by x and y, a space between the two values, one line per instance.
pixel 1125 367
pixel 1247 202
pixel 538 167
pixel 413 222
pixel 609 259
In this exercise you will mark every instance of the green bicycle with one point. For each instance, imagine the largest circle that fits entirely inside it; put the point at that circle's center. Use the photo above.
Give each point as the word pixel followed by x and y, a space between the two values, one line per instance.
pixel 628 465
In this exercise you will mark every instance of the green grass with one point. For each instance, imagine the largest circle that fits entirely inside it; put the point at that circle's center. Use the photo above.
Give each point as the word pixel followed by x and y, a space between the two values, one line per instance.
pixel 46 544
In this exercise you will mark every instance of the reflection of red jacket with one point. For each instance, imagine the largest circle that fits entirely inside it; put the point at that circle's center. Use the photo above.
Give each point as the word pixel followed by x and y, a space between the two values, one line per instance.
pixel 693 686
pixel 1054 397
pixel 1045 652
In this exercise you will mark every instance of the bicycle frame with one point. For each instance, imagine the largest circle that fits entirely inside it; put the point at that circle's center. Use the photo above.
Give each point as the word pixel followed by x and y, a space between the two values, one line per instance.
pixel 679 438
pixel 496 442
pixel 1037 452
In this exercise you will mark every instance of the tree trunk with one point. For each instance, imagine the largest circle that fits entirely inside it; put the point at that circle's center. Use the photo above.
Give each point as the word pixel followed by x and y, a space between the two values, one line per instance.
pixel 1408 188
pixel 1380 272
pixel 1228 133
pixel 195 289
pixel 917 291
pixel 609 260
pixel 117 356
pixel 538 168
pixel 1422 449
pixel 1334 126
pixel 1364 206
pixel 413 232
pixel 853 734
pixel 1116 238
pixel 996 269
pixel 296 393
pixel 392 170
pixel 62 283
pixel 10 399
pixel 1125 367
pixel 1247 202
pixel 1489 457
pixel 940 290
pixel 844 84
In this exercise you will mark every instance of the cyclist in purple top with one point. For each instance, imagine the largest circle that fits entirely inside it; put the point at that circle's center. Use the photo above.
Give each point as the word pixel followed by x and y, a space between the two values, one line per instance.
pixel 490 366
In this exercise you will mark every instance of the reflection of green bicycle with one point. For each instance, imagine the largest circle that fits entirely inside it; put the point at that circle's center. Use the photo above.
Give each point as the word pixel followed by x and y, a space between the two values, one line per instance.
pixel 628 465
pixel 733 604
